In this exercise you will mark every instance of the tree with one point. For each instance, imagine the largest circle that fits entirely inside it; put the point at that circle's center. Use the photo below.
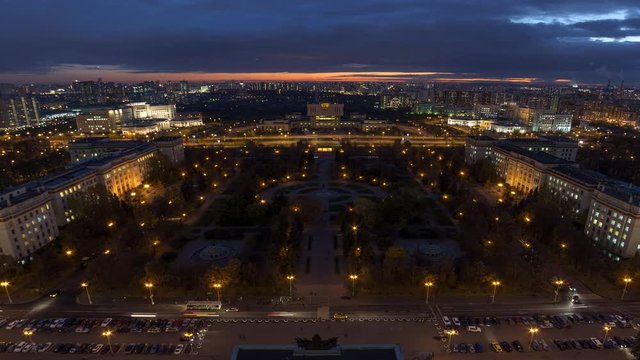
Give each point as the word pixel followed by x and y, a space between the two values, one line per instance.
pixel 394 266
pixel 162 171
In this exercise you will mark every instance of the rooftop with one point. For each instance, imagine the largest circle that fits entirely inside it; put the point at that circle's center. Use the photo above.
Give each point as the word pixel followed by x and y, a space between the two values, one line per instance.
pixel 538 156
pixel 588 177
pixel 623 191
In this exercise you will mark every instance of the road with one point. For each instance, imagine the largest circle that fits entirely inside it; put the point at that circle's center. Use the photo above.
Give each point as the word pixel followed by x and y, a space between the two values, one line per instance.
pixel 323 140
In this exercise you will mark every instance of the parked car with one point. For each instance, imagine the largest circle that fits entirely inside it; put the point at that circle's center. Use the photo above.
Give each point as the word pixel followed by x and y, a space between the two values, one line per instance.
pixel 496 347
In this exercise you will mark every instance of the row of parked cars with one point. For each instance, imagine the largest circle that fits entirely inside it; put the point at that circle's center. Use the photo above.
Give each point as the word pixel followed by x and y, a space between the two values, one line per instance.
pixel 540 321
pixel 80 325
pixel 67 348
pixel 593 343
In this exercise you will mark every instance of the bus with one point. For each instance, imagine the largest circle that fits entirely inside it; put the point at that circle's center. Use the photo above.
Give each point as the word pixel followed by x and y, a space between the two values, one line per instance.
pixel 203 308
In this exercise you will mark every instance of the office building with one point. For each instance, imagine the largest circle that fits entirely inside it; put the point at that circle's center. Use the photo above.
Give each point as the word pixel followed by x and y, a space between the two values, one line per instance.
pixel 100 120
pixel 325 114
pixel 551 122
pixel 30 214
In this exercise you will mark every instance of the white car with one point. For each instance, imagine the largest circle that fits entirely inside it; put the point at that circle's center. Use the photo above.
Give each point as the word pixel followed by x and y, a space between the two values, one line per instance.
pixel 446 321
pixel 473 328
pixel 106 322
pixel 178 349
pixel 596 342
pixel 233 309
pixel 610 324
pixel 456 322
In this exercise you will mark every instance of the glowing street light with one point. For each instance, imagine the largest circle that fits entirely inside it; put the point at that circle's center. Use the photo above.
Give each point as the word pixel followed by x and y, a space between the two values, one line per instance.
pixel 626 281
pixel 290 278
pixel 217 286
pixel 451 333
pixel 532 331
pixel 28 334
pixel 428 285
pixel 86 287
pixel 6 284
pixel 606 332
pixel 495 285
pixel 353 278
pixel 107 334
pixel 149 286
pixel 558 283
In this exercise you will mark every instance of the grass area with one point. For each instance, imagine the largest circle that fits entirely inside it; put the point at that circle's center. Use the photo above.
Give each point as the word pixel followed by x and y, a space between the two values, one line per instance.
pixel 338 190
pixel 599 284
pixel 340 198
pixel 336 207
pixel 365 192
pixel 309 190
pixel 441 218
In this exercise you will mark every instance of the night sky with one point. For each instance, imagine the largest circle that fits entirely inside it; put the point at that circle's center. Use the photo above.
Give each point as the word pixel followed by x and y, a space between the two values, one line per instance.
pixel 587 41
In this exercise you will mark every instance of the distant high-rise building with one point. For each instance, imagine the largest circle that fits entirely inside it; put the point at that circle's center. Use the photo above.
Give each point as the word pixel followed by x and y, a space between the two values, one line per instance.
pixel 19 112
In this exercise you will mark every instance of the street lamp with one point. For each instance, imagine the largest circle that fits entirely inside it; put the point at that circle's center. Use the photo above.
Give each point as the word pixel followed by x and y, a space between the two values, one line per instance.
pixel 28 334
pixel 606 332
pixel 558 283
pixel 290 278
pixel 354 228
pixel 149 285
pixel 107 334
pixel 86 287
pixel 353 278
pixel 428 285
pixel 626 280
pixel 6 284
pixel 495 284
pixel 532 331
pixel 217 286
pixel 450 332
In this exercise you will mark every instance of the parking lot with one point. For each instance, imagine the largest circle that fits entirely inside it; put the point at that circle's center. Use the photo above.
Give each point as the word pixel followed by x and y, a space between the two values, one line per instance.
pixel 216 337
pixel 546 335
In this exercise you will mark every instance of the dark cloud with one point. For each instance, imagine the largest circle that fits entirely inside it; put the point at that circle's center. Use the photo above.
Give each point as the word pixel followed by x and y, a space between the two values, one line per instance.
pixel 490 38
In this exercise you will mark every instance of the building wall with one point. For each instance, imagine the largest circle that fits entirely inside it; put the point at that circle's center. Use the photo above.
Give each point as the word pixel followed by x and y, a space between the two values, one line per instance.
pixel 614 225
pixel 27 226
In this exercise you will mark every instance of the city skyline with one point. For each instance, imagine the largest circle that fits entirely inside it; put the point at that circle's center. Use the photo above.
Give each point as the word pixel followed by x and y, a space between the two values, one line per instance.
pixel 527 42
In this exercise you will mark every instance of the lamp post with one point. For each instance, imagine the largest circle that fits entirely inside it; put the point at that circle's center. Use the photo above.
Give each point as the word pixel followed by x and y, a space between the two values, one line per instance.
pixel 495 284
pixel 290 278
pixel 428 285
pixel 606 332
pixel 149 285
pixel 86 287
pixel 107 334
pixel 217 286
pixel 28 334
pixel 532 331
pixel 6 284
pixel 450 332
pixel 558 283
pixel 626 280
pixel 353 278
